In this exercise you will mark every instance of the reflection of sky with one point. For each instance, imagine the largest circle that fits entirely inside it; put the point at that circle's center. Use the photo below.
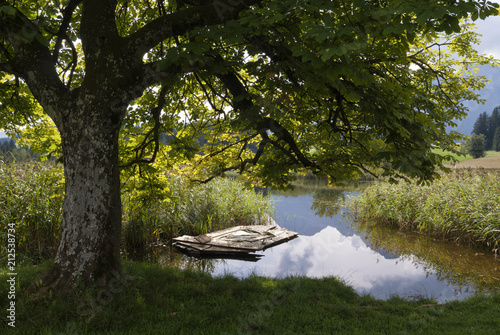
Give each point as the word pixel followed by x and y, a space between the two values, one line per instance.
pixel 330 253
pixel 295 213
pixel 329 246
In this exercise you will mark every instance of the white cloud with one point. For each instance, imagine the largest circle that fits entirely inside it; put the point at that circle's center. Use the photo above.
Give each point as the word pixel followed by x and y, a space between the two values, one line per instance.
pixel 490 40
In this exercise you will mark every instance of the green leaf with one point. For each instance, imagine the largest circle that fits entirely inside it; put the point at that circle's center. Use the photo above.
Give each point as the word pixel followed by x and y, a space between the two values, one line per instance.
pixel 8 10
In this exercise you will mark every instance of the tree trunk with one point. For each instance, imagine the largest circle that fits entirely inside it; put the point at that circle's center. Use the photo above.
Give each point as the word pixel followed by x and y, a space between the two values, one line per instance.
pixel 89 251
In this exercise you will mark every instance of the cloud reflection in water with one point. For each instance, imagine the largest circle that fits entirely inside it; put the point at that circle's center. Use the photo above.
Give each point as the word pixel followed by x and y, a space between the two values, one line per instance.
pixel 330 253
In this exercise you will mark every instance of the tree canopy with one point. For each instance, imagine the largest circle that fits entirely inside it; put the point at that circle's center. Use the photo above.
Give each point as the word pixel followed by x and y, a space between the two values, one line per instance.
pixel 274 87
pixel 476 145
pixel 336 87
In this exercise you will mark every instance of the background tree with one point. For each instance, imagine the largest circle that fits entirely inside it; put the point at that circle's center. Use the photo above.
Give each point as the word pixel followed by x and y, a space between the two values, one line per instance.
pixel 334 87
pixel 496 140
pixel 487 125
pixel 493 124
pixel 476 145
pixel 10 152
pixel 481 126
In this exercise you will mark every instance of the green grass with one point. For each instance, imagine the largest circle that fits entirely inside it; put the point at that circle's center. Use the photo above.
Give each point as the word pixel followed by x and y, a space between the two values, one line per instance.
pixel 157 300
pixel 462 205
pixel 491 160
pixel 453 157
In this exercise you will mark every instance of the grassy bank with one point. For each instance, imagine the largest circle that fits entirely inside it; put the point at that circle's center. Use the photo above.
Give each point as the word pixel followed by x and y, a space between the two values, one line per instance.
pixel 462 206
pixel 155 300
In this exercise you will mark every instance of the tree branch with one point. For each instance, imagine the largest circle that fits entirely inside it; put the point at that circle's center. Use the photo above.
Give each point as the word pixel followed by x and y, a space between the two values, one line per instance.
pixel 155 132
pixel 61 34
pixel 7 67
pixel 243 103
pixel 185 20
pixel 33 60
pixel 98 28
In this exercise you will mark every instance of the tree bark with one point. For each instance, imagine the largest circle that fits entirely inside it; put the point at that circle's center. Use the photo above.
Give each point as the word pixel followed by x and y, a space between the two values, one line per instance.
pixel 89 251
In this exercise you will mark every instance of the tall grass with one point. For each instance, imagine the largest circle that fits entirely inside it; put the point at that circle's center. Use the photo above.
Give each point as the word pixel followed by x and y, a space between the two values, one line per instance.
pixel 192 210
pixel 222 203
pixel 463 205
pixel 31 195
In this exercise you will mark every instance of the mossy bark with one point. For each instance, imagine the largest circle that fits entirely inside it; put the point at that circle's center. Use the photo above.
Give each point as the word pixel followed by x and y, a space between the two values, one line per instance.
pixel 89 251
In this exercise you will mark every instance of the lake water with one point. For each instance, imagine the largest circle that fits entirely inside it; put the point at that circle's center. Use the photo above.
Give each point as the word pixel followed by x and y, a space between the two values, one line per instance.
pixel 374 260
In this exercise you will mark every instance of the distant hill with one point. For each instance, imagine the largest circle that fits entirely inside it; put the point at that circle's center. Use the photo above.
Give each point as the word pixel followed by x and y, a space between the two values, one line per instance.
pixel 491 93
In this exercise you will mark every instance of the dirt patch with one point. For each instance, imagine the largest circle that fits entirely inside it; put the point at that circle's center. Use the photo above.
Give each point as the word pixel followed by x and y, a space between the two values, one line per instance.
pixel 491 161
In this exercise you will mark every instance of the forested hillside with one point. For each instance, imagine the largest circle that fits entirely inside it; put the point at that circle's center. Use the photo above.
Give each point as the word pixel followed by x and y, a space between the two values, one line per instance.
pixel 489 94
pixel 9 151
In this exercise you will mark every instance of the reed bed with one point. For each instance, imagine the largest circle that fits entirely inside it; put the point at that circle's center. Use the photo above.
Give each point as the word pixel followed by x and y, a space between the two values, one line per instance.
pixel 193 210
pixel 463 205
pixel 32 193
pixel 31 197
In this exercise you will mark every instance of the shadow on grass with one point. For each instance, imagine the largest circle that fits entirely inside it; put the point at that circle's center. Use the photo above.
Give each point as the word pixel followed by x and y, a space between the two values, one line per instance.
pixel 156 300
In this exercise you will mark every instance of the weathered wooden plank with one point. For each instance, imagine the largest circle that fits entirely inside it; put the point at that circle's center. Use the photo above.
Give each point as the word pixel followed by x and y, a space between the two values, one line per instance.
pixel 203 238
pixel 253 243
pixel 237 239
pixel 192 241
pixel 216 252
pixel 209 248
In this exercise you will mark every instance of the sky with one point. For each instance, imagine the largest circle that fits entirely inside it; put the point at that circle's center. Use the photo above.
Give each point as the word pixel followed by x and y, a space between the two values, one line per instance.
pixel 490 40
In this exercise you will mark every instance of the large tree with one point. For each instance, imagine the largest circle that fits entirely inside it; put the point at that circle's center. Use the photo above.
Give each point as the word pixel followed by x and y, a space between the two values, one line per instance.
pixel 336 87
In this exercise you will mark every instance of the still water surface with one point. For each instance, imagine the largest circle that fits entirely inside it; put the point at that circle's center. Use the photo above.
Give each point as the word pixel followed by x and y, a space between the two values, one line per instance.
pixel 379 262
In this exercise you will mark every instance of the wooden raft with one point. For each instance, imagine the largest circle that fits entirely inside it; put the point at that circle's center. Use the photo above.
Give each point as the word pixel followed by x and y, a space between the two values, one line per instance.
pixel 235 242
